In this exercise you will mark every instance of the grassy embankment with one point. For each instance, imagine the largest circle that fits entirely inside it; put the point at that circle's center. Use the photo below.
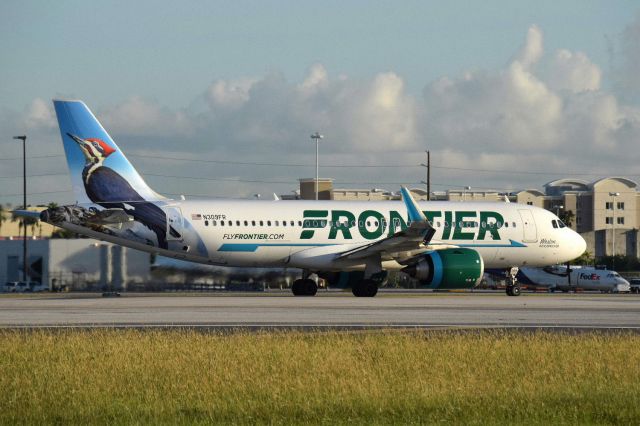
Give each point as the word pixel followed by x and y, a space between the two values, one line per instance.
pixel 376 377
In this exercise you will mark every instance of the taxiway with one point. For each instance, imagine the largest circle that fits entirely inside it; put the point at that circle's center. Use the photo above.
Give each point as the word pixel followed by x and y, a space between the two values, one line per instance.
pixel 332 310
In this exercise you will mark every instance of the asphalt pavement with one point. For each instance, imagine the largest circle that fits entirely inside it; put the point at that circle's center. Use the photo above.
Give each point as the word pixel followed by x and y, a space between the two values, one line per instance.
pixel 326 310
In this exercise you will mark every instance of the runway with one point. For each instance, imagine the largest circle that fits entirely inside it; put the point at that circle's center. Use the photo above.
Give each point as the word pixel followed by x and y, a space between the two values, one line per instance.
pixel 327 310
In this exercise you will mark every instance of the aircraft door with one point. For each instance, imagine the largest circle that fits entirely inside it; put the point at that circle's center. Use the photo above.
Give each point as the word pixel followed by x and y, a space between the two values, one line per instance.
pixel 174 224
pixel 529 230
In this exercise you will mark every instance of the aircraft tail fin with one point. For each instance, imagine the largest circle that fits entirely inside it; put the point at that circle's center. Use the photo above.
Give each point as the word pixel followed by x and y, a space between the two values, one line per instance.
pixel 91 154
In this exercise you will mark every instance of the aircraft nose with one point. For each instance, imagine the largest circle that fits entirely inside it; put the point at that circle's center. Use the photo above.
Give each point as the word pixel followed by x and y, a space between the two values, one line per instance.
pixel 578 245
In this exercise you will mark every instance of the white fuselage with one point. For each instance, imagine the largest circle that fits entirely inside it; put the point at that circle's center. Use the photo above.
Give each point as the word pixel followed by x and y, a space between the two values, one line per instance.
pixel 308 234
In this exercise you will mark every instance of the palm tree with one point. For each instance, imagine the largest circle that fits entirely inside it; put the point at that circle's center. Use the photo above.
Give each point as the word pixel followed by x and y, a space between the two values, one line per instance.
pixel 567 217
pixel 2 218
pixel 24 221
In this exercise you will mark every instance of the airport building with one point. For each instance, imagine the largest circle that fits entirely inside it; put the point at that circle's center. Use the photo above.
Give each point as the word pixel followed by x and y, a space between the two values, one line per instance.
pixel 77 264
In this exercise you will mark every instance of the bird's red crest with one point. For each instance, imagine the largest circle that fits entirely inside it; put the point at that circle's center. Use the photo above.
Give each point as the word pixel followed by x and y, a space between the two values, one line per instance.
pixel 106 149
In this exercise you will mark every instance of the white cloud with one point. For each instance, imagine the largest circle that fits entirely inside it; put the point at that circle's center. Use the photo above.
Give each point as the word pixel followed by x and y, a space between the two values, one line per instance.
pixel 539 112
pixel 532 50
pixel 137 116
pixel 317 79
pixel 574 72
pixel 229 94
pixel 40 115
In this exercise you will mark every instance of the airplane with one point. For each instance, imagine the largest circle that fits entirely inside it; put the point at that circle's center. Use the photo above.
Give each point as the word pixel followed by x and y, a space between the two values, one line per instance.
pixel 580 277
pixel 444 245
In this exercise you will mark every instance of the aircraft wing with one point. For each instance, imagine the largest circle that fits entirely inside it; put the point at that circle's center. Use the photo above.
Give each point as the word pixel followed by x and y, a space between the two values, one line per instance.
pixel 416 237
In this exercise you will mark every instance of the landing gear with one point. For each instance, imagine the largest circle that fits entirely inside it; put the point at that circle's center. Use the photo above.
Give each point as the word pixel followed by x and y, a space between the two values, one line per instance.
pixel 365 288
pixel 304 287
pixel 513 288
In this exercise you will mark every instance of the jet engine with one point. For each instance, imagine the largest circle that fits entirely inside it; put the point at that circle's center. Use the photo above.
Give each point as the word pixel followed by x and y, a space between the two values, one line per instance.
pixel 448 269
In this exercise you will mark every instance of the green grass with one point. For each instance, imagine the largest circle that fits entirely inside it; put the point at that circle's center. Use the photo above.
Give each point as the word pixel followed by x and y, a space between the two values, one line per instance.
pixel 499 377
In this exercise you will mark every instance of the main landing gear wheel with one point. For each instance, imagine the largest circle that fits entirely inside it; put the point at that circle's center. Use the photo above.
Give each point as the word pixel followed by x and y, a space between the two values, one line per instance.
pixel 365 288
pixel 305 287
pixel 513 290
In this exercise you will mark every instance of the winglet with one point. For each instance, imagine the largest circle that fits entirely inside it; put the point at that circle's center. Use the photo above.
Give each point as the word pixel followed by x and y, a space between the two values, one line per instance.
pixel 415 214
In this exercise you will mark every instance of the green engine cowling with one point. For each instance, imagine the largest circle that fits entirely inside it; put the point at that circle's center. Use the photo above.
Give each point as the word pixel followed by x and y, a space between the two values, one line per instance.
pixel 454 268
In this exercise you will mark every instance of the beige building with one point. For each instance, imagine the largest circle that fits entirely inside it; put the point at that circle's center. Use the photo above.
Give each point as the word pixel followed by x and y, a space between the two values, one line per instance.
pixel 308 189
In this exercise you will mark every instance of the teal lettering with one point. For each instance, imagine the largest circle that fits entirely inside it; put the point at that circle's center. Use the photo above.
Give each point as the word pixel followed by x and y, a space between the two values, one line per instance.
pixel 311 221
pixel 432 215
pixel 458 234
pixel 446 233
pixel 338 225
pixel 395 221
pixel 493 230
pixel 362 224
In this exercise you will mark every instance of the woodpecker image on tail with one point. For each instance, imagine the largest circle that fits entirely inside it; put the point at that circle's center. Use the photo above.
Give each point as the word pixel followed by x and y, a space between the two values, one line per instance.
pixel 107 188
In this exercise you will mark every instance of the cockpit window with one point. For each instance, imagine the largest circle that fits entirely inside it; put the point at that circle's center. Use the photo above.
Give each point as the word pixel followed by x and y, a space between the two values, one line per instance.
pixel 554 223
pixel 560 224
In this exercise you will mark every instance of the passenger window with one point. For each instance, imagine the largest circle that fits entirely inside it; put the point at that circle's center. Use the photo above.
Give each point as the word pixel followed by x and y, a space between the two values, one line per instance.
pixel 506 224
pixel 483 224
pixel 293 223
pixel 237 222
pixel 253 223
pixel 284 223
pixel 499 225
pixel 261 223
pixel 206 223
pixel 268 223
pixel 276 223
pixel 299 223
pixel 246 223
pixel 514 224
pixel 222 223
pixel 213 223
pixel 230 223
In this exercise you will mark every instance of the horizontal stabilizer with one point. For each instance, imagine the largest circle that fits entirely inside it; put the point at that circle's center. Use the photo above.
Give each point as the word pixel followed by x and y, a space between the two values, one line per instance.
pixel 26 213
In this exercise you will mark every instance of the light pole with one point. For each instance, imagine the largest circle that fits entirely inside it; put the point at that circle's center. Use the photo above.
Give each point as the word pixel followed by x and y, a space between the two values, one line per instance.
pixel 558 208
pixel 316 136
pixel 23 138
pixel 613 196
pixel 428 182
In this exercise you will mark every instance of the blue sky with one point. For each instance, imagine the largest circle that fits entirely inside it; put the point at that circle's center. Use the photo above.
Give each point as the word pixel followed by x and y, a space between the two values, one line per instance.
pixel 106 51
pixel 472 81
